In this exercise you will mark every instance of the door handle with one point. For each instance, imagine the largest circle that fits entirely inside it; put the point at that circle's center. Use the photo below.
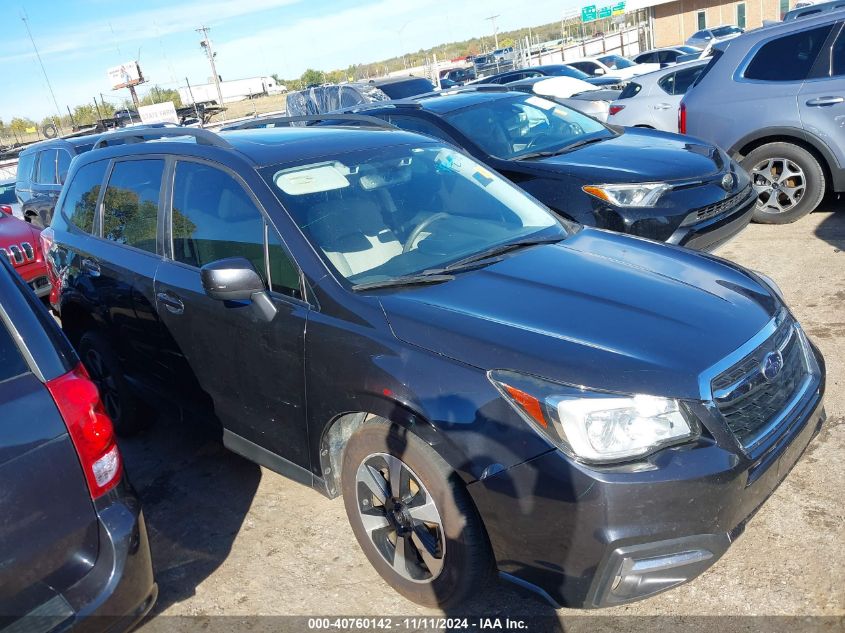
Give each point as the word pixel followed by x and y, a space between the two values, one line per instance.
pixel 173 303
pixel 91 267
pixel 662 106
pixel 825 101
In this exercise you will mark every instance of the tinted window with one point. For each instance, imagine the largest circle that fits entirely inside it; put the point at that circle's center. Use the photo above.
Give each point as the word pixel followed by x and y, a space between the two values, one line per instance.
pixel 410 88
pixel 46 172
pixel 7 194
pixel 11 361
pixel 214 218
pixel 685 78
pixel 130 203
pixel 25 166
pixel 80 201
pixel 567 71
pixel 837 58
pixel 63 165
pixel 632 89
pixel 667 57
pixel 667 83
pixel 415 124
pixel 788 58
pixel 646 58
pixel 284 275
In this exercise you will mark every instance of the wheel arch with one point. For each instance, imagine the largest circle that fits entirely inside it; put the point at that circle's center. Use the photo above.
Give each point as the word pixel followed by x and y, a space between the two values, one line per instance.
pixel 339 429
pixel 833 174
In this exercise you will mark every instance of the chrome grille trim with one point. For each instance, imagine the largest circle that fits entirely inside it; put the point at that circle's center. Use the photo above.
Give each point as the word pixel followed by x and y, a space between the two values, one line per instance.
pixel 17 254
pixel 28 250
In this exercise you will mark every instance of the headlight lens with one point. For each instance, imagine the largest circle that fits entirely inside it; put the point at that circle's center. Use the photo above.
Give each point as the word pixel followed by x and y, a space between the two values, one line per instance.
pixel 596 427
pixel 635 195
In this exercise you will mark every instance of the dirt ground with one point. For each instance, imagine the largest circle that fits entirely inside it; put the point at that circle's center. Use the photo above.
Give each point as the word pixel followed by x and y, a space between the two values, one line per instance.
pixel 231 538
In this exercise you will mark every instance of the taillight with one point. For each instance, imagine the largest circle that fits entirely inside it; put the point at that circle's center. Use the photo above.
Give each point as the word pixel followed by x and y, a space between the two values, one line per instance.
pixel 89 427
pixel 616 109
pixel 46 241
pixel 682 118
pixel 5 208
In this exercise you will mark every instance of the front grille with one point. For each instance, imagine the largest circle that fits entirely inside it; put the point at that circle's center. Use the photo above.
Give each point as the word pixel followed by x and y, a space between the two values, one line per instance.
pixel 712 210
pixel 747 400
pixel 19 254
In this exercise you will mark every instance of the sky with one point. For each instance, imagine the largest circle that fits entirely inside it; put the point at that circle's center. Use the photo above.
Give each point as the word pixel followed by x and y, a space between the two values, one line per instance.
pixel 80 39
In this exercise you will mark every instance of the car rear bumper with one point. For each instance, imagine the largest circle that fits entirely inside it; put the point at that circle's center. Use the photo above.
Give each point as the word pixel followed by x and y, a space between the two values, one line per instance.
pixel 590 537
pixel 119 590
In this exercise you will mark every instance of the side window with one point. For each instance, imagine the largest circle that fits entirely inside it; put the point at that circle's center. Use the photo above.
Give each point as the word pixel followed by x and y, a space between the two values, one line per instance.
pixel 11 361
pixel 667 83
pixel 685 78
pixel 80 203
pixel 788 58
pixel 214 218
pixel 666 57
pixel 46 171
pixel 415 124
pixel 130 203
pixel 63 165
pixel 284 275
pixel 25 168
pixel 837 56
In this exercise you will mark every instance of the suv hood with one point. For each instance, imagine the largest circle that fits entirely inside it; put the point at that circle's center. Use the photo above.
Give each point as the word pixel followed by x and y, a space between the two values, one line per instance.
pixel 599 309
pixel 15 231
pixel 638 156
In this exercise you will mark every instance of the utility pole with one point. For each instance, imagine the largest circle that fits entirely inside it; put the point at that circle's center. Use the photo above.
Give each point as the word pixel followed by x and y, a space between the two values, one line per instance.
pixel 41 63
pixel 209 51
pixel 492 19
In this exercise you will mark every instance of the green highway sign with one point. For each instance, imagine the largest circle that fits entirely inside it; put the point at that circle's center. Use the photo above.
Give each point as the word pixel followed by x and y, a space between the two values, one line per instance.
pixel 605 12
pixel 618 8
pixel 588 14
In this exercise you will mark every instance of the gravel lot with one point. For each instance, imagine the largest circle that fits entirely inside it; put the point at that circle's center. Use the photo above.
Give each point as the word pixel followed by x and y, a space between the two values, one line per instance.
pixel 229 537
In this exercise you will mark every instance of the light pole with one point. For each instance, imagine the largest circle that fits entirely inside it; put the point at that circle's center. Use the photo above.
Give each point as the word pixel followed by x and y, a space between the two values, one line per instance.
pixel 43 70
pixel 402 45
pixel 492 19
pixel 209 51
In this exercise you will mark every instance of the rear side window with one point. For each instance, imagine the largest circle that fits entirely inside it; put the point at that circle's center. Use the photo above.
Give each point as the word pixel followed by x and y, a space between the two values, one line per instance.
pixel 214 218
pixel 788 58
pixel 837 56
pixel 45 174
pixel 631 90
pixel 11 362
pixel 130 203
pixel 678 83
pixel 7 194
pixel 63 165
pixel 25 166
pixel 80 203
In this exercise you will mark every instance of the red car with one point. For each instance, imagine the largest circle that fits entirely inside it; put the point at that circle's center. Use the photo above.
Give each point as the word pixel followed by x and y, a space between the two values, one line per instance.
pixel 20 242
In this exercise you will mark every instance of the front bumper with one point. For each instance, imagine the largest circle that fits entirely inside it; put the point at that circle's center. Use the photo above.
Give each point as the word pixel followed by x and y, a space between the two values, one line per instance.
pixel 595 537
pixel 711 233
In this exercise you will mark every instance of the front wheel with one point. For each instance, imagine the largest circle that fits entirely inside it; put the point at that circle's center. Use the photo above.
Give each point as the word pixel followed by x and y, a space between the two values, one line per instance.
pixel 413 517
pixel 788 179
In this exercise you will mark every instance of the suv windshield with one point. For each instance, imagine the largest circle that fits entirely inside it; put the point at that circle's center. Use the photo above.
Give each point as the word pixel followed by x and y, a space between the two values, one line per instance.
pixel 615 62
pixel 511 128
pixel 405 210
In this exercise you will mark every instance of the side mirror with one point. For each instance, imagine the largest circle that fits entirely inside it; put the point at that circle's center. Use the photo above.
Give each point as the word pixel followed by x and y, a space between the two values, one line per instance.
pixel 599 71
pixel 232 279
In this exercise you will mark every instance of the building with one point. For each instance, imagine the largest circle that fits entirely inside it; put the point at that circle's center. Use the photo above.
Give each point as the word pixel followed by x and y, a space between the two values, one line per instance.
pixel 673 21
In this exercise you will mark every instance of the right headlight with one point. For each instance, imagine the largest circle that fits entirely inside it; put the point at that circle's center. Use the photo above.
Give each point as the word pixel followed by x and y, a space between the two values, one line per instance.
pixel 596 427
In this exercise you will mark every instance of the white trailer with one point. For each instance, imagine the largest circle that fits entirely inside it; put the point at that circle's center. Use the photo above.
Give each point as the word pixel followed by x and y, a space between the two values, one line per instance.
pixel 234 90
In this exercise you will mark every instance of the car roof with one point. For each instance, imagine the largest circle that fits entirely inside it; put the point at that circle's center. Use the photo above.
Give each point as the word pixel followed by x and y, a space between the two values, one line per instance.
pixel 656 75
pixel 386 81
pixel 814 9
pixel 272 146
pixel 451 100
pixel 73 142
pixel 749 38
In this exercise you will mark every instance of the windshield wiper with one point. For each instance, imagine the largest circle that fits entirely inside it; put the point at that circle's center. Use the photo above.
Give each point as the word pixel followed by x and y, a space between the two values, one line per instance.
pixel 501 249
pixel 562 150
pixel 427 277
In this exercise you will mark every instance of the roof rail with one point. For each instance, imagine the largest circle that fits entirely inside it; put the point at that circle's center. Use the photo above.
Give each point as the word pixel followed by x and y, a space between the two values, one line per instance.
pixel 139 135
pixel 285 121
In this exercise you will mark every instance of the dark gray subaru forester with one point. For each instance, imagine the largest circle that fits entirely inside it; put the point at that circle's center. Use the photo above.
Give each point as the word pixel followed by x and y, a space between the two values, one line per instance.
pixel 375 314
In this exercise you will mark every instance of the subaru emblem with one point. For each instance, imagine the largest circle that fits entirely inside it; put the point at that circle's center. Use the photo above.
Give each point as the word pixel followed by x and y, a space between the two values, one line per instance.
pixel 771 365
pixel 727 182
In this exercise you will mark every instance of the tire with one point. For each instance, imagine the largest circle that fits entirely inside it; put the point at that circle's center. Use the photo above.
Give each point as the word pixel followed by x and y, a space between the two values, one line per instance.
pixel 789 181
pixel 459 560
pixel 128 414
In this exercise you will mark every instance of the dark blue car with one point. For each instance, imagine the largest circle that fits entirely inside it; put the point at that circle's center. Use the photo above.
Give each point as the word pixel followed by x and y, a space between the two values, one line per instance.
pixel 379 316
pixel 73 545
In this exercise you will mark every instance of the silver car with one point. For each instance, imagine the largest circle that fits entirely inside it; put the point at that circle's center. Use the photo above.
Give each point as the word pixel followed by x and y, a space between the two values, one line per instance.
pixel 716 34
pixel 652 100
pixel 774 99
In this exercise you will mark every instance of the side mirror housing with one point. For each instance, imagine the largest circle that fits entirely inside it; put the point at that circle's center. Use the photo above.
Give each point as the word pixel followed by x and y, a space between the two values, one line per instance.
pixel 599 71
pixel 231 279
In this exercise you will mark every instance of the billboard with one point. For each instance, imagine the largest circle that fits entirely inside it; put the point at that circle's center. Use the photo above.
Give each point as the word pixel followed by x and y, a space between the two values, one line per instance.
pixel 125 75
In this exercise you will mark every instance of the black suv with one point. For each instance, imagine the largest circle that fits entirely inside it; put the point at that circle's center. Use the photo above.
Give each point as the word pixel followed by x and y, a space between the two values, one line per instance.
pixel 72 539
pixel 375 314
